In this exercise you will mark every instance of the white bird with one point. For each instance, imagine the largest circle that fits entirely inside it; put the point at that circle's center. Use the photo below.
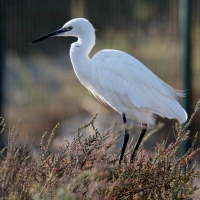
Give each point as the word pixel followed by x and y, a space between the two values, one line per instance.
pixel 120 80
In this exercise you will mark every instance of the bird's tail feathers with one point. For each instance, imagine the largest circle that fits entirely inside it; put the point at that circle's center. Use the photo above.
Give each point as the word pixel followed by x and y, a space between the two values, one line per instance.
pixel 177 111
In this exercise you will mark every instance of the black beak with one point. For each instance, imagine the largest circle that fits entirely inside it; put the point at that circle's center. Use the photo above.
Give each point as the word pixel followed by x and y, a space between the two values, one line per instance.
pixel 52 34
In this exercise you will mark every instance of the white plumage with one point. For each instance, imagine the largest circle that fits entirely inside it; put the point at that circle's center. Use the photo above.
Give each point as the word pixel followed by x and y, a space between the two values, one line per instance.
pixel 118 79
pixel 129 87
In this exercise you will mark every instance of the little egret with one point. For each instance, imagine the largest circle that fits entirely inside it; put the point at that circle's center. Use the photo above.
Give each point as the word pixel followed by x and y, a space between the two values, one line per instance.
pixel 120 80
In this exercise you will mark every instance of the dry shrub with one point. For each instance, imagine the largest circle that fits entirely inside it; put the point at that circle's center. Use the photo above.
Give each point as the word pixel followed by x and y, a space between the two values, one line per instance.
pixel 87 168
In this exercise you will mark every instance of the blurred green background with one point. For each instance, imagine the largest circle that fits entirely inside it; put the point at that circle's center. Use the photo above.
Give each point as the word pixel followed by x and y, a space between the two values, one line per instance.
pixel 39 85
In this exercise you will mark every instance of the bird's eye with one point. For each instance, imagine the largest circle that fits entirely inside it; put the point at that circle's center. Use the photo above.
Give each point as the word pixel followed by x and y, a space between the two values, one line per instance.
pixel 69 28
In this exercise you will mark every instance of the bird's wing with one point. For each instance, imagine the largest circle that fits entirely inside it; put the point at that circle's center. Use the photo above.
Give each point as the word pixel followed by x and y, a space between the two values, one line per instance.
pixel 121 74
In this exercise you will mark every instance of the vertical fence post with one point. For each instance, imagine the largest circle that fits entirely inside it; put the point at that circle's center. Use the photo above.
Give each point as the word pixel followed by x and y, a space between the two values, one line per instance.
pixel 185 10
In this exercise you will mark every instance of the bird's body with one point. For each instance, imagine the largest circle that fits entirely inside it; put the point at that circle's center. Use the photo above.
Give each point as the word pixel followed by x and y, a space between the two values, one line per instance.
pixel 118 79
pixel 126 85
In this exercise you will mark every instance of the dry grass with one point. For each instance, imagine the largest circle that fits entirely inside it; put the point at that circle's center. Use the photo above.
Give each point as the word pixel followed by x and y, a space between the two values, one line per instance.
pixel 87 168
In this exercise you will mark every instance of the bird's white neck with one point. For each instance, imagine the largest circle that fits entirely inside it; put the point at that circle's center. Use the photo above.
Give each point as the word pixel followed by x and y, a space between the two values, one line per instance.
pixel 82 47
pixel 79 54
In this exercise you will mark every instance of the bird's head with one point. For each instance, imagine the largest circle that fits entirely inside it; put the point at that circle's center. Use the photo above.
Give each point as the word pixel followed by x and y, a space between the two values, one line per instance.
pixel 78 27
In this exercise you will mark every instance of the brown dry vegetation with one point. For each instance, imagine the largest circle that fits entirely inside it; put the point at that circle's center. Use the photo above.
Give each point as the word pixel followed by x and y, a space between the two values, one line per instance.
pixel 87 168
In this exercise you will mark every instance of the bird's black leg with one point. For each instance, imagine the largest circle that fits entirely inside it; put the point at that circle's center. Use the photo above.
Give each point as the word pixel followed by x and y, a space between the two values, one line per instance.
pixel 144 129
pixel 126 137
